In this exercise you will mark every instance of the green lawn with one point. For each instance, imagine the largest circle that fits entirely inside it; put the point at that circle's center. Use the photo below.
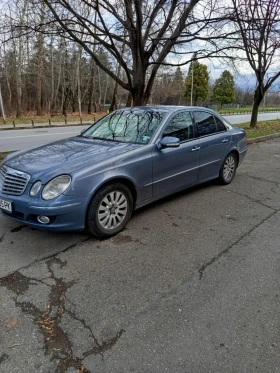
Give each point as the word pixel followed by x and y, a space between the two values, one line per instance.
pixel 246 110
pixel 264 128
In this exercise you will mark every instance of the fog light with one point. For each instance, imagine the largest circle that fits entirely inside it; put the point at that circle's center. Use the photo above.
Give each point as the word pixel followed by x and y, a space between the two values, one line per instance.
pixel 43 219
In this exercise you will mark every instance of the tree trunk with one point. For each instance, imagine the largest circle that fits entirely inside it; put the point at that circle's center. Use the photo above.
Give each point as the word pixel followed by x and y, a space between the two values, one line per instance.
pixel 91 90
pixel 2 111
pixel 139 96
pixel 258 97
pixel 58 81
pixel 51 101
pixel 40 65
pixel 64 103
pixel 145 90
pixel 129 100
pixel 18 50
pixel 114 105
pixel 254 115
pixel 78 72
pixel 118 71
pixel 105 92
pixel 18 82
pixel 99 101
pixel 40 76
pixel 73 97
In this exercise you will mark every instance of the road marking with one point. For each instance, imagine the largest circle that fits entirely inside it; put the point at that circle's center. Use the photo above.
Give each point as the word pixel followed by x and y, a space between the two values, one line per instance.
pixel 48 134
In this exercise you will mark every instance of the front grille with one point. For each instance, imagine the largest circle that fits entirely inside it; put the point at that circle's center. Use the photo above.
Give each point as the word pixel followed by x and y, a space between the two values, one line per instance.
pixel 12 181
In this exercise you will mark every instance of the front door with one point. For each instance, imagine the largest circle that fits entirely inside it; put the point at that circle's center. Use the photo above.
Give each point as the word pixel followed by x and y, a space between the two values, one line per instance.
pixel 176 168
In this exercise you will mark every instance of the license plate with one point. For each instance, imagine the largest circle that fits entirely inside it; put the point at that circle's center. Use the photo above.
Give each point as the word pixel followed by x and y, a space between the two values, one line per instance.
pixel 5 205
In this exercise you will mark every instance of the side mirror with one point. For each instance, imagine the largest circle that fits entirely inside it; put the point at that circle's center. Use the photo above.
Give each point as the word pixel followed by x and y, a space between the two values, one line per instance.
pixel 169 142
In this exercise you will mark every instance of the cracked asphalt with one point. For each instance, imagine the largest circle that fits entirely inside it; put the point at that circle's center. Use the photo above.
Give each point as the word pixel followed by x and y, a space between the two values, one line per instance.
pixel 192 285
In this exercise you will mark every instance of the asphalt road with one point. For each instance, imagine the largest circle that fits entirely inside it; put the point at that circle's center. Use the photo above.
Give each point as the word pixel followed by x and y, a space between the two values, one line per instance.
pixel 191 286
pixel 243 118
pixel 11 140
pixel 19 139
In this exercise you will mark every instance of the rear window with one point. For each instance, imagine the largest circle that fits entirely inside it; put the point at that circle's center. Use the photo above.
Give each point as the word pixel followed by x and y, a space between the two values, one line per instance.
pixel 220 125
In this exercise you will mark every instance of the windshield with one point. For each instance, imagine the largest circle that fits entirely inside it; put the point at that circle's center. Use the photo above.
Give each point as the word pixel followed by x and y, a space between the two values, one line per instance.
pixel 133 126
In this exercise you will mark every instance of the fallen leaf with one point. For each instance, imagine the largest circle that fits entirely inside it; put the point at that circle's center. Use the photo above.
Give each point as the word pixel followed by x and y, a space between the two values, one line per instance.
pixel 12 323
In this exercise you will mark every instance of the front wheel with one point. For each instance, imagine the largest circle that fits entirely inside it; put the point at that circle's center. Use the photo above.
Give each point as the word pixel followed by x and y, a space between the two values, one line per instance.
pixel 109 210
pixel 228 169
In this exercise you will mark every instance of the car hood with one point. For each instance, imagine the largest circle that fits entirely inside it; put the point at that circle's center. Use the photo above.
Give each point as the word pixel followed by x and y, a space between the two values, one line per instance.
pixel 66 155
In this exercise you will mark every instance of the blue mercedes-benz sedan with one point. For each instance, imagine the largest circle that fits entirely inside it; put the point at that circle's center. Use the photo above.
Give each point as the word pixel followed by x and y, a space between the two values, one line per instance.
pixel 126 160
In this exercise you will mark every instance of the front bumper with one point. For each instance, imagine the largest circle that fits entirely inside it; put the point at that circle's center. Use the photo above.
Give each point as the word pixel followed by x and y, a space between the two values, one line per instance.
pixel 66 213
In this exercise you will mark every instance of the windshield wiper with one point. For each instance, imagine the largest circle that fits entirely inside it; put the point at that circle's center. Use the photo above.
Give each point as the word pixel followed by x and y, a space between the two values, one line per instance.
pixel 91 137
pixel 85 136
pixel 101 138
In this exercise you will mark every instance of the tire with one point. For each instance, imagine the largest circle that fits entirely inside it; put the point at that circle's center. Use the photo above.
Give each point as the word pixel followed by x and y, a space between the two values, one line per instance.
pixel 109 210
pixel 228 169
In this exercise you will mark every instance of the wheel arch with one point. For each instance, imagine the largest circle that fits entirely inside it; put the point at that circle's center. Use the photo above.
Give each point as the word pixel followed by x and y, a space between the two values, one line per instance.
pixel 119 179
pixel 122 180
pixel 235 152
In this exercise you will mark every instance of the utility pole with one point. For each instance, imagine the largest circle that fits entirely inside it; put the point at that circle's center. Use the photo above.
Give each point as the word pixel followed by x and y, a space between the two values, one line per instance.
pixel 193 61
pixel 192 84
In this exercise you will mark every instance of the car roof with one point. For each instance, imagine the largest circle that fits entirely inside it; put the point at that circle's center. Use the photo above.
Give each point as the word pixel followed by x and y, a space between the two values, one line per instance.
pixel 164 108
pixel 174 108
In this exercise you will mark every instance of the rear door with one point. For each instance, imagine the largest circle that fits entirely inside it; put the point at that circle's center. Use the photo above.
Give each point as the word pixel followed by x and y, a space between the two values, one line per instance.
pixel 214 143
pixel 175 168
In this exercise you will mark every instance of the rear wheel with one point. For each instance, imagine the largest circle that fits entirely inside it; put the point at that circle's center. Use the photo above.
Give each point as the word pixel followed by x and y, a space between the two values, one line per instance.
pixel 109 210
pixel 228 169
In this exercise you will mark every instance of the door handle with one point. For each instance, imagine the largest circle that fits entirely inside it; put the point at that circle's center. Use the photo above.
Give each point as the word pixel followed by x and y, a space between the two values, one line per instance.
pixel 224 140
pixel 196 148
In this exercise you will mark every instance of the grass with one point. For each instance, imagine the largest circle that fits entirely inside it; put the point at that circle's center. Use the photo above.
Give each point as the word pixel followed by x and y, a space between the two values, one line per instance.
pixel 263 128
pixel 74 117
pixel 246 110
pixel 3 155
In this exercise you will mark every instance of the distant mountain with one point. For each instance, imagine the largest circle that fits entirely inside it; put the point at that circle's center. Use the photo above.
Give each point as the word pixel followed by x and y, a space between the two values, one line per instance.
pixel 245 81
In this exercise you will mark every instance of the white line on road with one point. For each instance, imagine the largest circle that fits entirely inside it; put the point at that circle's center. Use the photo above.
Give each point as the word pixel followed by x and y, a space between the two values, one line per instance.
pixel 45 134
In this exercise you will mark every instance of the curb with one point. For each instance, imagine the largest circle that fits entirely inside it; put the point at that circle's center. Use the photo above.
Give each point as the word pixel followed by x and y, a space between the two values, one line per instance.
pixel 30 127
pixel 249 112
pixel 263 138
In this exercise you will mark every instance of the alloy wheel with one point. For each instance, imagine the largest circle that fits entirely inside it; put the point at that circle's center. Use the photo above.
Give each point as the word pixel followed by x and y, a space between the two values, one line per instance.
pixel 112 210
pixel 229 168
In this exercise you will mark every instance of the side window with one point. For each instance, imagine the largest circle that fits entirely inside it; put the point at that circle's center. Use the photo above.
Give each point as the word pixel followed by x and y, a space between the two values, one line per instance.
pixel 205 123
pixel 181 126
pixel 220 125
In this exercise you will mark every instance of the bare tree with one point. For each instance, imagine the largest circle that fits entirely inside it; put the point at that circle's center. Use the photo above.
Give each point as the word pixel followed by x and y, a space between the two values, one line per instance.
pixel 18 53
pixel 152 32
pixel 258 23
pixel 7 76
pixel 40 65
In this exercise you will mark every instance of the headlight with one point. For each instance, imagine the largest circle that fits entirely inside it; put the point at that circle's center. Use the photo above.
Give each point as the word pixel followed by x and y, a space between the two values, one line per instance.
pixel 56 186
pixel 35 188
